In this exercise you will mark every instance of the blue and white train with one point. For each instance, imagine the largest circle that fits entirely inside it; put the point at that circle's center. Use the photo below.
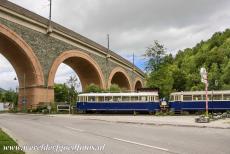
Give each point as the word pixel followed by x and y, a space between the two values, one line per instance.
pixel 196 100
pixel 135 101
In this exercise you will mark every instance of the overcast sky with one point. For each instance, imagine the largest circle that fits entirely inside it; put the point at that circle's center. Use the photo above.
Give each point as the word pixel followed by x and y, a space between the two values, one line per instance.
pixel 133 25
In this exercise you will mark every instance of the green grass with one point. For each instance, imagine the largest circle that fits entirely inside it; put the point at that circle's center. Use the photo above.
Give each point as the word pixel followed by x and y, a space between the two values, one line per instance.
pixel 5 140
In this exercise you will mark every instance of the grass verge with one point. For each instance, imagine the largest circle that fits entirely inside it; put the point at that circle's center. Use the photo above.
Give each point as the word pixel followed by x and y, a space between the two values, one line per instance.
pixel 5 140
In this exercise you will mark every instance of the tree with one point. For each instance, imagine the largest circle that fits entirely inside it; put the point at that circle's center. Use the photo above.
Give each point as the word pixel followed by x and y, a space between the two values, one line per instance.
pixel 72 83
pixel 114 88
pixel 181 72
pixel 179 83
pixel 161 79
pixel 226 74
pixel 61 93
pixel 155 55
pixel 1 96
pixel 67 92
pixel 93 88
pixel 10 96
pixel 214 77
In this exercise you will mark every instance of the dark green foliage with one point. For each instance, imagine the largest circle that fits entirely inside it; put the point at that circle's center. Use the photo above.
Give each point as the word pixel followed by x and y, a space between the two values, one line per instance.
pixel 63 93
pixel 93 88
pixel 181 73
pixel 60 92
pixel 114 88
pixel 9 96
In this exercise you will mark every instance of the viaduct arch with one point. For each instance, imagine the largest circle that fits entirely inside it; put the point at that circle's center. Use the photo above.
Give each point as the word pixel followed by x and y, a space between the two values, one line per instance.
pixel 138 84
pixel 85 67
pixel 27 67
pixel 120 77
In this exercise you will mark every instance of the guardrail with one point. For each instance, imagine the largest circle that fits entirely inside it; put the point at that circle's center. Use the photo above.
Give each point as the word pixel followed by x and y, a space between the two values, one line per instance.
pixel 64 108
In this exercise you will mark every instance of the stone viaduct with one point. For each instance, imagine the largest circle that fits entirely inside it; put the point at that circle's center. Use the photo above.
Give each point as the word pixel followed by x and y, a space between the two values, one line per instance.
pixel 36 50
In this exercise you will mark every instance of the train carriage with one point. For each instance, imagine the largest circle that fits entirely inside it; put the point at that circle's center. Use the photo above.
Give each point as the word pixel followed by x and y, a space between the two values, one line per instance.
pixel 196 100
pixel 136 101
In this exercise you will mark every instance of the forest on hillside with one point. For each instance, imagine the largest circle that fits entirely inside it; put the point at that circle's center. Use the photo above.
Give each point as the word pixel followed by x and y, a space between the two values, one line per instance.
pixel 182 71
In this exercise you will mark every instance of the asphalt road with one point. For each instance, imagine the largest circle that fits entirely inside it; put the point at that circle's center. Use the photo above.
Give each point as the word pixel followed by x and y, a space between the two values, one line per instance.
pixel 112 138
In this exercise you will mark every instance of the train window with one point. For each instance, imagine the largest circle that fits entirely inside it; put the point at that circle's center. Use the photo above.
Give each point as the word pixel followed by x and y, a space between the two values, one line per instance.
pixel 125 98
pixel 91 99
pixel 100 99
pixel 108 98
pixel 209 97
pixel 171 98
pixel 144 98
pixel 197 97
pixel 203 97
pixel 187 97
pixel 226 96
pixel 117 98
pixel 134 98
pixel 217 97
pixel 177 97
pixel 149 98
pixel 156 98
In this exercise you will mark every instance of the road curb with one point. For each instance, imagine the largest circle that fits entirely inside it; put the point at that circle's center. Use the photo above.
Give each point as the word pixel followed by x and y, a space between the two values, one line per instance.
pixel 8 132
pixel 161 124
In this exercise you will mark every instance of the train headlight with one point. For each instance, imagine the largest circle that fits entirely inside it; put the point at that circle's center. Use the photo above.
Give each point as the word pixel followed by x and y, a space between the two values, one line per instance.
pixel 163 103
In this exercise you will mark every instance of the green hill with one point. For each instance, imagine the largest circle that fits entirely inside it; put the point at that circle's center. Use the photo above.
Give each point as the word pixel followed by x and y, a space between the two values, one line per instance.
pixel 181 73
pixel 2 90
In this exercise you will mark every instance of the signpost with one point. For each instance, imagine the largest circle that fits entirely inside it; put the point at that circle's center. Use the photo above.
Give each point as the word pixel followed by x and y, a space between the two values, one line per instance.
pixel 204 79
pixel 49 108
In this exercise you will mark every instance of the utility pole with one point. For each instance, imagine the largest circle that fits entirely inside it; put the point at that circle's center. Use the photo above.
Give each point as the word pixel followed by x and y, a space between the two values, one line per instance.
pixel 107 59
pixel 133 62
pixel 49 29
pixel 24 91
pixel 133 70
pixel 108 42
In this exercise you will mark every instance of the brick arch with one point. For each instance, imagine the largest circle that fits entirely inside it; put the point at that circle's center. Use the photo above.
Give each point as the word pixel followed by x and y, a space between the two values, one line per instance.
pixel 25 63
pixel 86 68
pixel 120 77
pixel 9 37
pixel 138 83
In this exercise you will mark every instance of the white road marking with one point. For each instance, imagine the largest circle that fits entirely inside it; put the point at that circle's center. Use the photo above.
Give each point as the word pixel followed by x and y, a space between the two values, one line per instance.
pixel 141 144
pixel 79 130
pixel 122 140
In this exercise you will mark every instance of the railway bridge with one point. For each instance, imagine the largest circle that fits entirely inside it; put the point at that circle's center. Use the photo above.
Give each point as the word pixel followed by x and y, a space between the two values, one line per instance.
pixel 35 50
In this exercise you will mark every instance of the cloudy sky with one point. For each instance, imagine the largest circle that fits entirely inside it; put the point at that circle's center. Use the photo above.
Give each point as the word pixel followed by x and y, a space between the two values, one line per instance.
pixel 133 25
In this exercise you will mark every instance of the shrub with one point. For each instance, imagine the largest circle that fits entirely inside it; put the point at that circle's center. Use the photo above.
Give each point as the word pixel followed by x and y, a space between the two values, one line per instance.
pixel 93 88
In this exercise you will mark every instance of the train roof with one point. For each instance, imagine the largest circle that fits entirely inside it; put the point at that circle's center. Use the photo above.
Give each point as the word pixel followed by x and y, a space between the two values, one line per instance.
pixel 121 94
pixel 201 92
